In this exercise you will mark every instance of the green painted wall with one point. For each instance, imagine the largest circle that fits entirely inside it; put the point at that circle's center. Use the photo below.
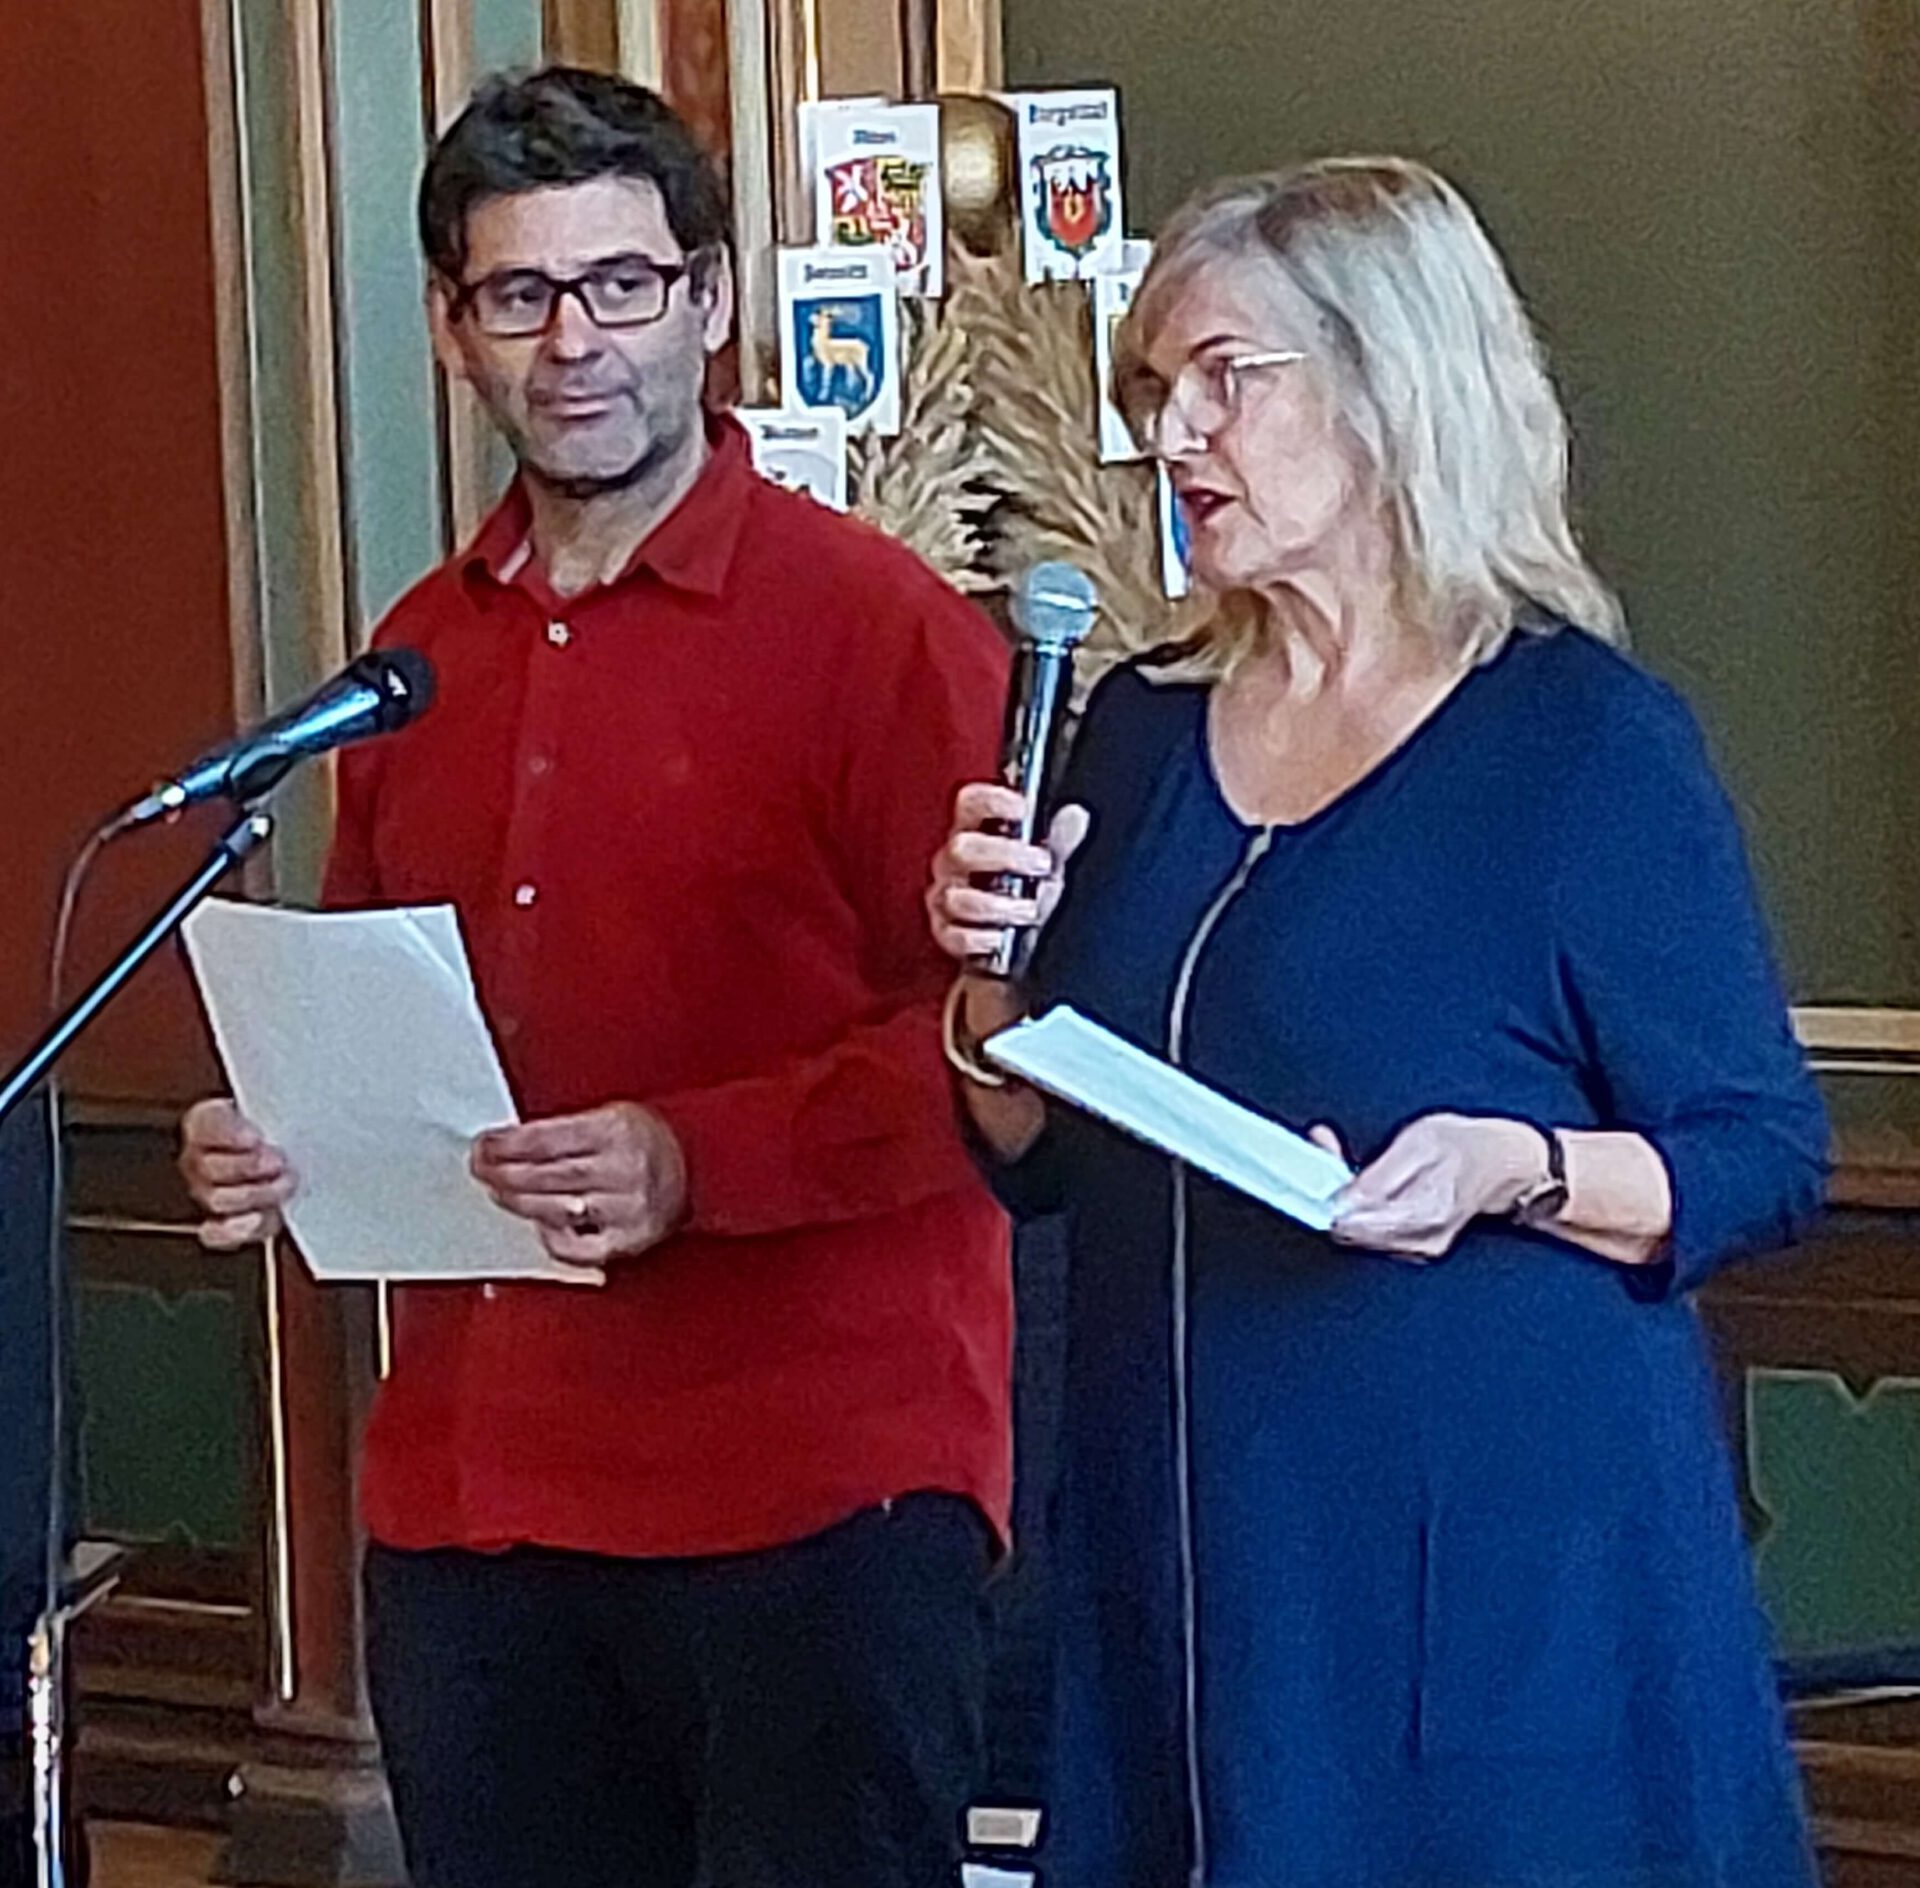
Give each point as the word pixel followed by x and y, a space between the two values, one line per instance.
pixel 506 34
pixel 294 639
pixel 166 1413
pixel 387 393
pixel 506 38
pixel 1839 1565
pixel 1710 207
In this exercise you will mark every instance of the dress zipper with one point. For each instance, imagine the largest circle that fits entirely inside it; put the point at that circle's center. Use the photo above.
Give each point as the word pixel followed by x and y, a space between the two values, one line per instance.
pixel 1257 849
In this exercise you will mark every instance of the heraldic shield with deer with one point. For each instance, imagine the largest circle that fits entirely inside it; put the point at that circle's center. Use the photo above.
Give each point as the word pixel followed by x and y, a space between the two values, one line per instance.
pixel 840 346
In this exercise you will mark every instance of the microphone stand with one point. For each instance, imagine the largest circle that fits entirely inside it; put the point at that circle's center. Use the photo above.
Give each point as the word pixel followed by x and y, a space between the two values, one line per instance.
pixel 245 838
pixel 46 1666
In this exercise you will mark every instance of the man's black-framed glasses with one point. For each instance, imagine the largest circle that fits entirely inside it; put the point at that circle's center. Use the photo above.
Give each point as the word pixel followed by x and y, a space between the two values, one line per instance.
pixel 620 292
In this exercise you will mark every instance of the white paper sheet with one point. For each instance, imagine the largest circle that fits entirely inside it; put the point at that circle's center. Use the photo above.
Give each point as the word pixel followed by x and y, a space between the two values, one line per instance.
pixel 1094 1069
pixel 1176 542
pixel 356 1042
pixel 1112 297
pixel 1072 218
pixel 804 449
pixel 875 172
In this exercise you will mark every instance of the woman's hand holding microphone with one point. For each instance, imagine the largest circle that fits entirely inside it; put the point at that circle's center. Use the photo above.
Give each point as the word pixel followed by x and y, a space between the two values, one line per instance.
pixel 970 917
pixel 968 921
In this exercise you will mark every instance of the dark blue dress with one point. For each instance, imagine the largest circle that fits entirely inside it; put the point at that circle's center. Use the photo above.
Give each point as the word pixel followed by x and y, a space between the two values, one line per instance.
pixel 1380 1575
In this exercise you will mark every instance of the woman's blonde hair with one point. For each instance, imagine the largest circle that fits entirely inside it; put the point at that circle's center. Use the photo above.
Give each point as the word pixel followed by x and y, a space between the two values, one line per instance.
pixel 1438 375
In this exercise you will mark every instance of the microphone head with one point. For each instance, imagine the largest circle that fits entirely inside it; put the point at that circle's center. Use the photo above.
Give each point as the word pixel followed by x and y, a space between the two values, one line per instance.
pixel 403 681
pixel 1055 605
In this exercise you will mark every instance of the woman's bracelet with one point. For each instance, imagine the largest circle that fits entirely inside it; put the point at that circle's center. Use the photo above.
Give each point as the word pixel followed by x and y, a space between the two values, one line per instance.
pixel 964 1056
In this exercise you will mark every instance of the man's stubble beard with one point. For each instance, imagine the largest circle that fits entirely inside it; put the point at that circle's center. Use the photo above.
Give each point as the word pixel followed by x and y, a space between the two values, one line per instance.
pixel 597 486
pixel 660 447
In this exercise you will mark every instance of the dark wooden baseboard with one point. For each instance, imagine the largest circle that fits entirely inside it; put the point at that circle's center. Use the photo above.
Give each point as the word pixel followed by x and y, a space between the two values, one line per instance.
pixel 1862 1766
pixel 170 1733
pixel 290 1814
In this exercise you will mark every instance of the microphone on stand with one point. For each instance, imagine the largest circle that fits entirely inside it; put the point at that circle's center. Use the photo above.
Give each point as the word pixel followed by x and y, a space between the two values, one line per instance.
pixel 376 693
pixel 1053 609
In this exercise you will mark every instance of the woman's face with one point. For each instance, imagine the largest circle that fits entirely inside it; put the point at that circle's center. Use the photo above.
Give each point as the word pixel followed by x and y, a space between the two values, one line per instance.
pixel 1265 472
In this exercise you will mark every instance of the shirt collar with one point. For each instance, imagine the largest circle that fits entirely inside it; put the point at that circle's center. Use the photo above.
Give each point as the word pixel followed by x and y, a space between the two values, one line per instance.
pixel 691 549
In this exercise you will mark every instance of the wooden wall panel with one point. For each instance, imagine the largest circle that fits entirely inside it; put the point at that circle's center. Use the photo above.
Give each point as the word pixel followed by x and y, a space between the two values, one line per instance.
pixel 693 40
pixel 114 657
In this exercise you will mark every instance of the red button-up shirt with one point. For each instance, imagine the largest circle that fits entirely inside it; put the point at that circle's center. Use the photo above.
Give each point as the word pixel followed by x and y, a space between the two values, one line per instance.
pixel 686 820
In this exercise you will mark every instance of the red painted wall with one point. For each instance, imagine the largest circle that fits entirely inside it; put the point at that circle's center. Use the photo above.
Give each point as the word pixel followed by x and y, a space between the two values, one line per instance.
pixel 114 650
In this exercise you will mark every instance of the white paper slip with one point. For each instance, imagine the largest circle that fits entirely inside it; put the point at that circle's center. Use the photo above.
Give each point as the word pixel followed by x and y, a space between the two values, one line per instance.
pixel 1112 297
pixel 355 1041
pixel 1094 1069
pixel 1176 540
pixel 804 450
pixel 992 1827
pixel 814 112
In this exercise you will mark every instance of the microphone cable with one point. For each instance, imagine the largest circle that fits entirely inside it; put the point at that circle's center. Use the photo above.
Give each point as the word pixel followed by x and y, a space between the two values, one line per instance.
pixel 49 1831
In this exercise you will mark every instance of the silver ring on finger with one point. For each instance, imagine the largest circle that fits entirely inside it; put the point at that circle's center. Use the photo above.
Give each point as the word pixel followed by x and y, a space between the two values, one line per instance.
pixel 582 1219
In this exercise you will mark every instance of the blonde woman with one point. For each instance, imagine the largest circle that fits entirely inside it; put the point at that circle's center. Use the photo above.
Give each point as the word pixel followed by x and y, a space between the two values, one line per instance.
pixel 1406 1557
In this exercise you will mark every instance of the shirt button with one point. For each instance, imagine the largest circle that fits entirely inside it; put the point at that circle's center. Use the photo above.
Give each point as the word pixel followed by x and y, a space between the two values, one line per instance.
pixel 509 1027
pixel 538 765
pixel 524 895
pixel 559 635
pixel 489 1292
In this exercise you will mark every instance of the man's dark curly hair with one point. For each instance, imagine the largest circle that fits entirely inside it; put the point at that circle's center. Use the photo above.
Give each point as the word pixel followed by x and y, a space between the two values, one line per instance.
pixel 562 126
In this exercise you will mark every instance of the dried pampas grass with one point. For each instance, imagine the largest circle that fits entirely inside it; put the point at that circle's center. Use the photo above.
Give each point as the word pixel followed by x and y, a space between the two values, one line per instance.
pixel 997 464
pixel 928 485
pixel 1040 421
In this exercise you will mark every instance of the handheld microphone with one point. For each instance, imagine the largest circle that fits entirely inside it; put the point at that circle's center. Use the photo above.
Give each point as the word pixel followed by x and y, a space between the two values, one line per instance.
pixel 376 693
pixel 1053 610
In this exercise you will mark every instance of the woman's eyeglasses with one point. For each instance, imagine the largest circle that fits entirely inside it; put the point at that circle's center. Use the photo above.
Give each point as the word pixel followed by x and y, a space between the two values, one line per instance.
pixel 1207 392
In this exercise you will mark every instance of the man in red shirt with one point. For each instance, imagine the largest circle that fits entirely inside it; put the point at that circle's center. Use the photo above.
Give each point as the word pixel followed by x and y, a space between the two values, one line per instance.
pixel 678 1579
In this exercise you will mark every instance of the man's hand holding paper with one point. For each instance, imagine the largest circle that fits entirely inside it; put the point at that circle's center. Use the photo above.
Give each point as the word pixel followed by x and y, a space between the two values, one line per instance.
pixel 600 1186
pixel 365 1079
pixel 238 1178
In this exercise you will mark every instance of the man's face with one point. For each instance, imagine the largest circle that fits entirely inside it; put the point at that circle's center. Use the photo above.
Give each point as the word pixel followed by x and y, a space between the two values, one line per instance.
pixel 587 404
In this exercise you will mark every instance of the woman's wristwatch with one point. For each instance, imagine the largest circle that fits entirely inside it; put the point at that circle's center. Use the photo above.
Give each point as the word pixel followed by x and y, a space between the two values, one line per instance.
pixel 1545 1199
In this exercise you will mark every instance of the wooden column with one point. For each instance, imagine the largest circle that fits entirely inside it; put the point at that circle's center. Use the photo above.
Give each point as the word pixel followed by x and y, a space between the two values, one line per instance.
pixel 920 47
pixel 971 45
pixel 312 1809
pixel 309 1805
pixel 583 33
